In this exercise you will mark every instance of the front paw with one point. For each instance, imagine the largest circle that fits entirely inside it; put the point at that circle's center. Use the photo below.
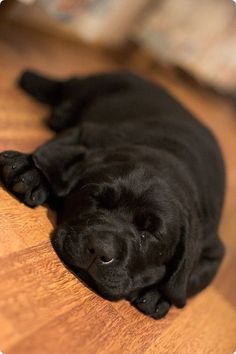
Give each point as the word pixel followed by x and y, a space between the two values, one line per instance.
pixel 22 178
pixel 152 303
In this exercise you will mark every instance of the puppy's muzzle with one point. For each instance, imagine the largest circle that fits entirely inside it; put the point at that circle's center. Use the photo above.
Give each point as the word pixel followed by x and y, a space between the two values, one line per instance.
pixel 98 249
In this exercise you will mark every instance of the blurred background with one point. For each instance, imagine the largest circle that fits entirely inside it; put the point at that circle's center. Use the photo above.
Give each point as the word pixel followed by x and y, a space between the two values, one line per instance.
pixel 197 37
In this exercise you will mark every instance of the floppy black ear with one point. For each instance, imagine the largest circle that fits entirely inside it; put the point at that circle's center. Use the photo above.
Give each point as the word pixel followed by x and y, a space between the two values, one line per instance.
pixel 180 267
pixel 60 162
pixel 44 89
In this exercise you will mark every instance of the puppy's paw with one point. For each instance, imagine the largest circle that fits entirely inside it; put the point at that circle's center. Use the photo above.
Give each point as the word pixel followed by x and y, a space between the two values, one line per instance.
pixel 22 178
pixel 152 303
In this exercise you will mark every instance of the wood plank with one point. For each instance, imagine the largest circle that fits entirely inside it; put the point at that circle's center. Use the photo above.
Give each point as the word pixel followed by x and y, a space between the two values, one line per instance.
pixel 208 325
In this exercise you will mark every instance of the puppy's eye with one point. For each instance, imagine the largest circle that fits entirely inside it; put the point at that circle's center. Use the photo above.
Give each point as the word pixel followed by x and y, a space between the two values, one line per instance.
pixel 144 236
pixel 149 222
pixel 158 236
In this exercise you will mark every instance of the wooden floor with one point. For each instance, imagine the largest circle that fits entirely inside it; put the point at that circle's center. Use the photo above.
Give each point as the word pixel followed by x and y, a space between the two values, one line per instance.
pixel 44 308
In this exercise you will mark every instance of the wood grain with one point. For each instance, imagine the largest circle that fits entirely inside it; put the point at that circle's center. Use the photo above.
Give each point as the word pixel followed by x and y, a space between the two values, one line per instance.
pixel 43 307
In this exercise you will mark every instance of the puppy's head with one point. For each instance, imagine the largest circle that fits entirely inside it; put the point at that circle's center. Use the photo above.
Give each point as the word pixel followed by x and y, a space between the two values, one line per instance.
pixel 120 231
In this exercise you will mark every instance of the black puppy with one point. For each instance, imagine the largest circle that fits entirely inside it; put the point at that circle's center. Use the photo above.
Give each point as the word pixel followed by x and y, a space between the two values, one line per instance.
pixel 139 185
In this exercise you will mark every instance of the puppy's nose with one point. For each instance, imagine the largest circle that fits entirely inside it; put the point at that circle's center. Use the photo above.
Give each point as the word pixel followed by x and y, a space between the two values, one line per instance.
pixel 100 251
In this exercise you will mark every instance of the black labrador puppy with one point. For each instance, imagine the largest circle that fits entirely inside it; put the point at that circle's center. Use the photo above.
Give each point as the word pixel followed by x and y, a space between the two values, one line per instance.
pixel 139 184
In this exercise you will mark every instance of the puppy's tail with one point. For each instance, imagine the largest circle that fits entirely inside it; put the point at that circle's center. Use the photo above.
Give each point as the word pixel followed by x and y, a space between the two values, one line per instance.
pixel 44 89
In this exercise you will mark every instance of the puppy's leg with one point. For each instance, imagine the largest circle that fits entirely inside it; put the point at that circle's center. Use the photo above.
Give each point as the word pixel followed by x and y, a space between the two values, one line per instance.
pixel 43 89
pixel 208 265
pixel 53 167
pixel 56 93
pixel 60 160
pixel 70 98
pixel 151 302
pixel 80 93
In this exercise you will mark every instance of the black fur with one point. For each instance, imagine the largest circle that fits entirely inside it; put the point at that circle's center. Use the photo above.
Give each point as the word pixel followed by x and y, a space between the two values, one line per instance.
pixel 139 184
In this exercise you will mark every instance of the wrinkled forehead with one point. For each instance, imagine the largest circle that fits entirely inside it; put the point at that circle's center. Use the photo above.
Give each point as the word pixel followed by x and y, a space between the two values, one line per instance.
pixel 130 191
pixel 118 206
pixel 117 189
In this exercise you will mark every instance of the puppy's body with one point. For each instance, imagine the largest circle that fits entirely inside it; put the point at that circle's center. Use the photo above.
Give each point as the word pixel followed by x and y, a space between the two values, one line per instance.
pixel 140 186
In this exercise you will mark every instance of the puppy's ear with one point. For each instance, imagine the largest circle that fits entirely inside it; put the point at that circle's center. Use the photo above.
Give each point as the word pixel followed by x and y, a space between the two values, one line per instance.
pixel 44 89
pixel 181 265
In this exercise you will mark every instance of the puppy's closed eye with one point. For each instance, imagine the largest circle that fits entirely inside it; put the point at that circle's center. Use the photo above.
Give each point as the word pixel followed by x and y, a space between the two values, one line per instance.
pixel 148 222
pixel 144 235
